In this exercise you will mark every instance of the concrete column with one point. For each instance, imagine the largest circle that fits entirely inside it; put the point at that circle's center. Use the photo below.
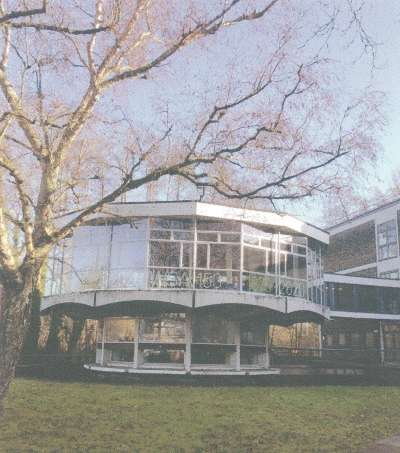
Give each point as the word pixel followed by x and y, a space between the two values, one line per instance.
pixel 188 341
pixel 103 340
pixel 382 342
pixel 237 342
pixel 267 358
pixel 136 344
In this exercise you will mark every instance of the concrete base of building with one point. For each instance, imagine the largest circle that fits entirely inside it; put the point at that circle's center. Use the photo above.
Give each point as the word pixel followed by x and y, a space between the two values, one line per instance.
pixel 203 370
pixel 390 445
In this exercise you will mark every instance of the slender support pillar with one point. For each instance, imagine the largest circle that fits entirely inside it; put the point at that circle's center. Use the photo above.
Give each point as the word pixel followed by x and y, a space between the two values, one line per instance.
pixel 237 342
pixel 103 340
pixel 320 340
pixel 267 358
pixel 136 345
pixel 188 341
pixel 382 341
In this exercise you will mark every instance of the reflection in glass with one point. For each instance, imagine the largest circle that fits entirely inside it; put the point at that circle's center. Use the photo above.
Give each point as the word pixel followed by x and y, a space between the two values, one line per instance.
pixel 170 278
pixel 224 256
pixel 253 332
pixel 215 330
pixel 390 300
pixel 120 329
pixel 165 254
pixel 168 328
pixel 254 259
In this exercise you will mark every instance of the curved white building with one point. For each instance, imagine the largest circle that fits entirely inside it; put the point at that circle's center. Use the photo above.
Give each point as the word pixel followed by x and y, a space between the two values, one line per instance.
pixel 188 287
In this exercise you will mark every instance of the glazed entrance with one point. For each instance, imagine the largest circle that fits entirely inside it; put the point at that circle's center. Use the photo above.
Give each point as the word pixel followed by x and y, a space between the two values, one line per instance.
pixel 180 341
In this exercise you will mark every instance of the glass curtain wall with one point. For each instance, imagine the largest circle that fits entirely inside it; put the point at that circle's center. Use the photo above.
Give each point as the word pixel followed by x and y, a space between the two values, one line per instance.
pixel 164 253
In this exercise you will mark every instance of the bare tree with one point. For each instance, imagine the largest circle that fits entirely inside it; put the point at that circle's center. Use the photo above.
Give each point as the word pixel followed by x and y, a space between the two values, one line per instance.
pixel 249 120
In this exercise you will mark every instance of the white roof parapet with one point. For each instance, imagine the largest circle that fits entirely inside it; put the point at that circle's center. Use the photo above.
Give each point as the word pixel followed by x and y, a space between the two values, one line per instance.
pixel 364 217
pixel 213 211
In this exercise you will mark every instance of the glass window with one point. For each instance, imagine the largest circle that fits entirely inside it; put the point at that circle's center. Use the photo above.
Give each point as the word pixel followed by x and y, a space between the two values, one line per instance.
pixel 171 224
pixel 210 329
pixel 165 254
pixel 366 299
pixel 254 260
pixel 390 300
pixel 187 255
pixel 120 329
pixel 136 230
pixel 342 339
pixel 202 261
pixel 355 340
pixel 162 354
pixel 393 275
pixel 369 339
pixel 160 234
pixel 207 237
pixel 271 262
pixel 128 255
pixel 122 354
pixel 252 240
pixel 387 240
pixel 252 333
pixel 344 297
pixel 168 328
pixel 230 237
pixel 183 236
pixel 224 256
pixel 210 225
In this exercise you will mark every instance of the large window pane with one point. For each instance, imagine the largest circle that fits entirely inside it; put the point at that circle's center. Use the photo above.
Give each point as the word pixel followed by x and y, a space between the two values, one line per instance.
pixel 211 225
pixel 254 260
pixel 202 250
pixel 169 328
pixel 120 329
pixel 165 254
pixel 213 330
pixel 366 299
pixel 224 256
pixel 344 297
pixel 390 300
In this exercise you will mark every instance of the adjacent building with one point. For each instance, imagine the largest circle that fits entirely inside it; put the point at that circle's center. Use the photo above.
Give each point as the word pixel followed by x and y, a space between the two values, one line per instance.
pixel 362 285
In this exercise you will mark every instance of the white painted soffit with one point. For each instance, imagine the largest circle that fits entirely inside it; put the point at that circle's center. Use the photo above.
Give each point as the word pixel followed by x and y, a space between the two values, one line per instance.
pixel 212 211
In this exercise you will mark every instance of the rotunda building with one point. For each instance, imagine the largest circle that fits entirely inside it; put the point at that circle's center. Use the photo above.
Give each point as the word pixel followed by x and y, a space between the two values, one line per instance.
pixel 187 287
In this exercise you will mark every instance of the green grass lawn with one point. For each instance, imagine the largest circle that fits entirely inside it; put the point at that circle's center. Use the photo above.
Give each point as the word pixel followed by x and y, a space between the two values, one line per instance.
pixel 85 417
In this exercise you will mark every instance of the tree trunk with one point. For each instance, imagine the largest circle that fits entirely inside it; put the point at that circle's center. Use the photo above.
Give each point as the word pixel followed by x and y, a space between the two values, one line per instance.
pixel 16 296
pixel 53 345
pixel 32 337
pixel 76 334
pixel 14 317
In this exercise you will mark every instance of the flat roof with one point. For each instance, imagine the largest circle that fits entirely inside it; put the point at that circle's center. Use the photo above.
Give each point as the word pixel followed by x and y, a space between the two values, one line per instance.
pixel 281 221
pixel 363 217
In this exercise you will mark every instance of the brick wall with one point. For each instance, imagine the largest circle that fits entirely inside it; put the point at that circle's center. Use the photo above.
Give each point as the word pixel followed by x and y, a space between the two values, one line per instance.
pixel 351 248
pixel 371 272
